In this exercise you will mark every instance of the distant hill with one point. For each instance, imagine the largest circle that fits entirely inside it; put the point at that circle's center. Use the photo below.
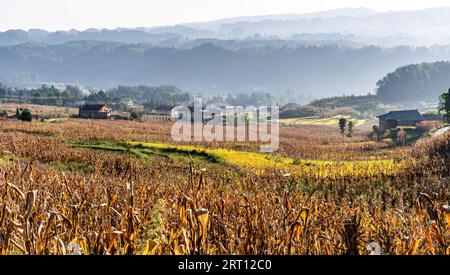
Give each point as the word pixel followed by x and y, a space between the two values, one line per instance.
pixel 347 12
pixel 354 25
pixel 421 27
pixel 310 55
pixel 321 71
pixel 425 81
pixel 355 106
pixel 14 37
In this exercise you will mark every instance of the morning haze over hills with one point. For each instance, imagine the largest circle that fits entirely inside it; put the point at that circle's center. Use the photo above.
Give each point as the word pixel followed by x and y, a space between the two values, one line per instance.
pixel 324 133
pixel 295 57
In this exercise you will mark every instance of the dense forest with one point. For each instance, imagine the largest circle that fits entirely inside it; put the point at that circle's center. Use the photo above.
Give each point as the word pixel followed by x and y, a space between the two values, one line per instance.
pixel 305 70
pixel 169 95
pixel 45 95
pixel 118 97
pixel 253 99
pixel 425 81
pixel 294 57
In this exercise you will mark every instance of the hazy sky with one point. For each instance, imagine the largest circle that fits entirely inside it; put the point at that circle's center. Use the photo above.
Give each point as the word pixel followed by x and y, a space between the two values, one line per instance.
pixel 83 14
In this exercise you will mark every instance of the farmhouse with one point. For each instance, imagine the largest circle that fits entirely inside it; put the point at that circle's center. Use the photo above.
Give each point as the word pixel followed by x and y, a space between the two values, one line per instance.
pixel 165 110
pixel 162 112
pixel 95 111
pixel 399 118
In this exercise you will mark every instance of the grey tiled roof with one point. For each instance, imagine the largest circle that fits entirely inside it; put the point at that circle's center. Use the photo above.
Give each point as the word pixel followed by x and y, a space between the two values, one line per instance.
pixel 92 107
pixel 407 115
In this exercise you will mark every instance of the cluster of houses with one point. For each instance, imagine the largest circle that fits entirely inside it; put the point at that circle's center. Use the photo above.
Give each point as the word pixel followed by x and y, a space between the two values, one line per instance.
pixel 102 111
pixel 386 121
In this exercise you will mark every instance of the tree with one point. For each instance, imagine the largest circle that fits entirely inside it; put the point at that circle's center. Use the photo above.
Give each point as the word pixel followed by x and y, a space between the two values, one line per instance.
pixel 136 115
pixel 376 132
pixel 401 136
pixel 350 129
pixel 444 105
pixel 342 124
pixel 150 105
pixel 25 115
pixel 100 97
pixel 73 92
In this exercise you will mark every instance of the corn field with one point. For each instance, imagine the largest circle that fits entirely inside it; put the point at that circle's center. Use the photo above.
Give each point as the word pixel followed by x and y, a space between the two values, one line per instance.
pixel 62 199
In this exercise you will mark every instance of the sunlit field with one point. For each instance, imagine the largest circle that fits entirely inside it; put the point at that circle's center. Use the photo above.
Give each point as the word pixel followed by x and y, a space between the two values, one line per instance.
pixel 314 120
pixel 123 187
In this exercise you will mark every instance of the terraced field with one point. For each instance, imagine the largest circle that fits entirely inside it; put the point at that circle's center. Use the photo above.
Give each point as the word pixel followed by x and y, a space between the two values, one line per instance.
pixel 257 162
pixel 315 120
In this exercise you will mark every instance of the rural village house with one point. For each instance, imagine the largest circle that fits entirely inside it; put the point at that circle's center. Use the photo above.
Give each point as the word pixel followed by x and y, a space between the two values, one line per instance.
pixel 95 111
pixel 163 110
pixel 399 118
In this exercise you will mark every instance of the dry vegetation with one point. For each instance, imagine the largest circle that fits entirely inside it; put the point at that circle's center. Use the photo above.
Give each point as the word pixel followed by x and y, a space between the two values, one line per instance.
pixel 42 111
pixel 56 198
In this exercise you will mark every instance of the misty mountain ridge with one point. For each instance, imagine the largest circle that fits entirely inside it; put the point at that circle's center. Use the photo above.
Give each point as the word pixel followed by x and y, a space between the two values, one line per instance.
pixel 320 71
pixel 363 26
pixel 346 12
pixel 311 55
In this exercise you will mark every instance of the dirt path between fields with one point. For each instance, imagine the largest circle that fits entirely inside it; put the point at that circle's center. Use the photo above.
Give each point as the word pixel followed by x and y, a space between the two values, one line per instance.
pixel 441 131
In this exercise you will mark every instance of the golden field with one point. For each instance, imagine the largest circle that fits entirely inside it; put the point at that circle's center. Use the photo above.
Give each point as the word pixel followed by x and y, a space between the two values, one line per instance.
pixel 122 187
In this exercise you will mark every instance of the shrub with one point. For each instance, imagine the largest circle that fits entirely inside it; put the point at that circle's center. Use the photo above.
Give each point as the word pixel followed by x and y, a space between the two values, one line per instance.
pixel 25 115
pixel 136 115
pixel 428 125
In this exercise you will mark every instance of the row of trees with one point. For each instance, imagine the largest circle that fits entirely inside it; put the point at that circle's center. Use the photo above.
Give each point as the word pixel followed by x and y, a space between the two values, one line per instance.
pixel 120 96
pixel 253 99
pixel 117 97
pixel 45 95
pixel 346 126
